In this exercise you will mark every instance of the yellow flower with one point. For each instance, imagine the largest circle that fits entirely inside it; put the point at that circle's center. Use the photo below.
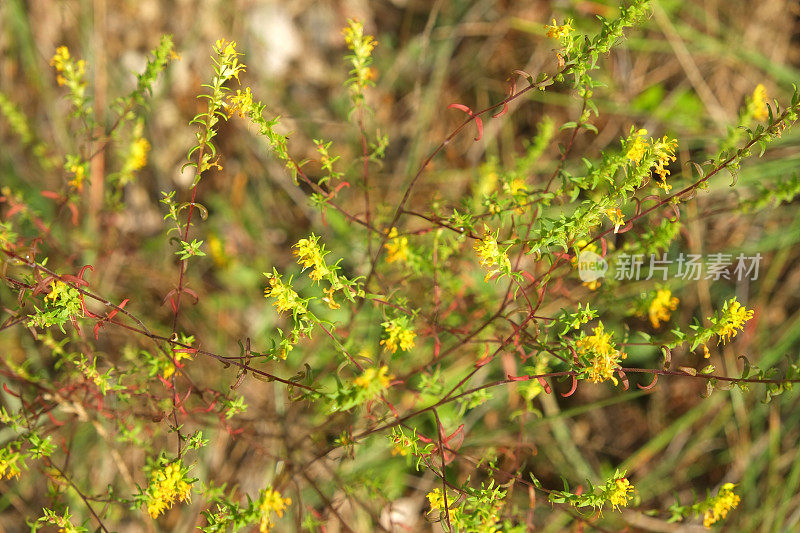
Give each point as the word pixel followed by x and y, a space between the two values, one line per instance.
pixel 491 256
pixel 661 306
pixel 328 299
pixel 619 494
pixel 734 316
pixel 436 499
pixel 8 463
pixel 396 248
pixel 616 216
pixel 241 102
pixel 167 484
pixel 310 254
pixel 372 376
pixel 759 103
pixel 271 502
pixel 138 153
pixel 720 504
pixel 554 31
pixel 603 356
pixel 638 147
pixel 516 186
pixel 664 151
pixel 397 336
pixel 286 300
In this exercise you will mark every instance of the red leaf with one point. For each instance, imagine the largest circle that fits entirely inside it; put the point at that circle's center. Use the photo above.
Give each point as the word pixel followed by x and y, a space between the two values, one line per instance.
pixel 573 389
pixel 653 384
pixel 544 384
pixel 502 111
pixel 461 107
pixel 479 123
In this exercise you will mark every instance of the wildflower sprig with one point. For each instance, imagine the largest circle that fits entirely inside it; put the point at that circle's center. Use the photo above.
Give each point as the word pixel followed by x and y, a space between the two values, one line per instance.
pixel 370 384
pixel 361 46
pixel 492 257
pixel 61 305
pixel 660 307
pixel 168 483
pixel 398 333
pixel 203 155
pixel 599 355
pixel 725 324
pixel 617 491
pixel 712 508
pixel 72 74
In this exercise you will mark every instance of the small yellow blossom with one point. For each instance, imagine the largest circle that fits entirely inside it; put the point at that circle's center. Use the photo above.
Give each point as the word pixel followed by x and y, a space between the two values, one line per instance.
pixel 167 485
pixel 310 254
pixel 492 257
pixel 759 103
pixel 8 463
pixel 241 102
pixel 734 316
pixel 616 216
pixel 78 169
pixel 619 495
pixel 271 502
pixel 397 336
pixel 286 299
pixel 603 356
pixel 138 153
pixel 554 31
pixel 396 248
pixel 436 499
pixel 638 146
pixel 58 291
pixel 516 186
pixel 664 151
pixel 328 299
pixel 228 59
pixel 720 504
pixel 661 307
pixel 372 376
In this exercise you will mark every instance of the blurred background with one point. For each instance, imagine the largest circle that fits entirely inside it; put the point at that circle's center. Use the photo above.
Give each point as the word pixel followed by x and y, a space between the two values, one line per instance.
pixel 686 73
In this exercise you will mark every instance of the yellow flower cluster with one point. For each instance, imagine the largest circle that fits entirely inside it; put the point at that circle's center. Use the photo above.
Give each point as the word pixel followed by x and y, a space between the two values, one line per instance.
pixel 271 502
pixel 69 72
pixel 616 216
pixel 137 156
pixel 397 336
pixel 638 146
pixel 373 376
pixel 734 316
pixel 664 151
pixel 362 46
pixel 758 104
pixel 661 307
pixel 603 356
pixel 515 187
pixel 619 494
pixel 554 31
pixel 78 168
pixel 8 463
pixel 286 300
pixel 492 257
pixel 310 255
pixel 720 504
pixel 167 484
pixel 396 248
pixel 59 290
pixel 661 150
pixel 228 59
pixel 241 102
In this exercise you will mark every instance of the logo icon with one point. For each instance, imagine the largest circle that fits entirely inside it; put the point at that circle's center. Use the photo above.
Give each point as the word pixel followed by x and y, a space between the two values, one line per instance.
pixel 591 266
